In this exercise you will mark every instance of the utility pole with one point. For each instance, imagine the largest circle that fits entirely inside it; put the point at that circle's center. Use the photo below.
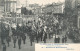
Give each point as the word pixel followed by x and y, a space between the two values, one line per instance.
pixel 16 12
pixel 5 7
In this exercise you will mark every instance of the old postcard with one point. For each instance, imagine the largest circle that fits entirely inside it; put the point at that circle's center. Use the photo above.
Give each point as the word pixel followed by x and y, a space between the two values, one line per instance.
pixel 39 25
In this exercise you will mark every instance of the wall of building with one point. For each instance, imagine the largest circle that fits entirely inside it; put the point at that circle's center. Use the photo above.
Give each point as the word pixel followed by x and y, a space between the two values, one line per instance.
pixel 36 9
pixel 58 9
pixel 55 8
pixel 10 5
pixel 48 9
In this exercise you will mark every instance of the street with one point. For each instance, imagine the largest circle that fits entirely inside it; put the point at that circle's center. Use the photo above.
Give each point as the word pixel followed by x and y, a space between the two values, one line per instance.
pixel 27 46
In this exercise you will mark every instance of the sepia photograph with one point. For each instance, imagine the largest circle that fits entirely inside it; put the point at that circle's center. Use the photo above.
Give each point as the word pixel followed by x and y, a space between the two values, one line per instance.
pixel 23 23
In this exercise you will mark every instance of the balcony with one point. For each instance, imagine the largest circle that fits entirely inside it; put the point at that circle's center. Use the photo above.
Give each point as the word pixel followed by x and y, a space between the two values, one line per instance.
pixel 11 1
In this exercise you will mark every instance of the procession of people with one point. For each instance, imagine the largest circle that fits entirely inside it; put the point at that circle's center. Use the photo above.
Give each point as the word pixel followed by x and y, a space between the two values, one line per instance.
pixel 36 31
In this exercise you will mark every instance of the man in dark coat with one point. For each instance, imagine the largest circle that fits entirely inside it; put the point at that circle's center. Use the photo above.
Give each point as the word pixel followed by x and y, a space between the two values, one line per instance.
pixel 41 34
pixel 37 37
pixel 58 39
pixel 4 47
pixel 24 38
pixel 14 40
pixel 31 39
pixel 3 36
pixel 55 40
pixel 8 39
pixel 63 39
pixel 45 37
pixel 19 42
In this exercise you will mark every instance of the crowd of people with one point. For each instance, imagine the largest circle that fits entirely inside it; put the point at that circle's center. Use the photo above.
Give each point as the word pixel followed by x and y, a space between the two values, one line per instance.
pixel 33 30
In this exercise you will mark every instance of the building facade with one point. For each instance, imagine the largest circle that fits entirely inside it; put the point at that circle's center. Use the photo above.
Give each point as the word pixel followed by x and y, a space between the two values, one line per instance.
pixel 36 9
pixel 54 8
pixel 10 5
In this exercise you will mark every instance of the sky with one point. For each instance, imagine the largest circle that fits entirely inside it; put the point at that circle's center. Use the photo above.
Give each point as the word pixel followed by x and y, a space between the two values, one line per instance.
pixel 40 2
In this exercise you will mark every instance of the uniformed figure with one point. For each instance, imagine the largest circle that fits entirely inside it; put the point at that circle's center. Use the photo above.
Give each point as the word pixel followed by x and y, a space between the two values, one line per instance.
pixel 14 40
pixel 44 37
pixel 4 47
pixel 24 38
pixel 63 39
pixel 6 32
pixel 31 39
pixel 41 34
pixel 24 29
pixel 18 27
pixel 8 39
pixel 37 36
pixel 58 39
pixel 2 34
pixel 14 31
pixel 55 40
pixel 19 42
pixel 50 33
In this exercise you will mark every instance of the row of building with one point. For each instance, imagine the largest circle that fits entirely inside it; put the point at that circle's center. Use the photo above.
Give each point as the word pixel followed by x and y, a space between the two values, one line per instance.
pixel 47 9
pixel 9 5
pixel 70 9
pixel 14 6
